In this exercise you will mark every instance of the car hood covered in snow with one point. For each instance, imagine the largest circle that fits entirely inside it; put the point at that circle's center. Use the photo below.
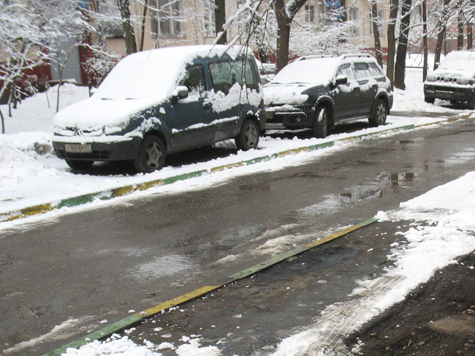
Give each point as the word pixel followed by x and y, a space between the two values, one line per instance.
pixel 276 94
pixel 457 67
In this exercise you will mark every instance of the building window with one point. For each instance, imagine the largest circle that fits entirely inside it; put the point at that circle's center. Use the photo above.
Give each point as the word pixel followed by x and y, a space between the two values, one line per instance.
pixel 379 21
pixel 210 27
pixel 166 19
pixel 309 13
pixel 353 15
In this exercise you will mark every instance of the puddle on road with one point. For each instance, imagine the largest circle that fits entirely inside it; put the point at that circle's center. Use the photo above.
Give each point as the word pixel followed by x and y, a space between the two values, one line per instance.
pixel 385 184
pixel 161 267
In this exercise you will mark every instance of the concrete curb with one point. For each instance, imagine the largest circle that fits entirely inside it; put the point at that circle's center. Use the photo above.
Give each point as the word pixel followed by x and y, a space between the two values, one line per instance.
pixel 132 320
pixel 129 189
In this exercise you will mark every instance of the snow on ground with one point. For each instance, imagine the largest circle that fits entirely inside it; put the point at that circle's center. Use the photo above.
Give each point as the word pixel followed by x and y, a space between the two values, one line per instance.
pixel 30 174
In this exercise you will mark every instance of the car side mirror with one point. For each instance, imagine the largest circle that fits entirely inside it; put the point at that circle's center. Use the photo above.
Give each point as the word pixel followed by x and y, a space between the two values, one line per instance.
pixel 181 92
pixel 341 79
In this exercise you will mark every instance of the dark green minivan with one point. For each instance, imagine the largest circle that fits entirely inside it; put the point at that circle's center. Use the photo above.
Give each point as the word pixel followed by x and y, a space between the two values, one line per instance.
pixel 163 101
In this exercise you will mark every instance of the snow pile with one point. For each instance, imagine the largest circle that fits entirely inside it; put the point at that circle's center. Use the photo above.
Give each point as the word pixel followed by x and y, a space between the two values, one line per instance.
pixel 443 228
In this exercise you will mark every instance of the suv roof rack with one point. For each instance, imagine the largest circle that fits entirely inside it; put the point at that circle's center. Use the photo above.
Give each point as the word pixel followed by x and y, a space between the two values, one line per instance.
pixel 313 56
pixel 356 55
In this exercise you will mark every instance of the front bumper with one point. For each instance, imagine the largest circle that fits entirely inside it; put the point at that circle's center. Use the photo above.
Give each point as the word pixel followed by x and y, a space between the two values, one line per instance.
pixel 448 92
pixel 290 117
pixel 120 149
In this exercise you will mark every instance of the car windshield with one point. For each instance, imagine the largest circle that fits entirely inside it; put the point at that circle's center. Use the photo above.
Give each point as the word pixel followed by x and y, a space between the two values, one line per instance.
pixel 462 60
pixel 317 70
pixel 141 76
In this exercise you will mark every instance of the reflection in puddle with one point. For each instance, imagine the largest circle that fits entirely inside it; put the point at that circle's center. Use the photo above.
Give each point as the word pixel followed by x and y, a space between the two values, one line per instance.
pixel 161 267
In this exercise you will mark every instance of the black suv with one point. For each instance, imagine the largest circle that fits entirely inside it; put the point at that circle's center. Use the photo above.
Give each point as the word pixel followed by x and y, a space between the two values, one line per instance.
pixel 453 80
pixel 319 91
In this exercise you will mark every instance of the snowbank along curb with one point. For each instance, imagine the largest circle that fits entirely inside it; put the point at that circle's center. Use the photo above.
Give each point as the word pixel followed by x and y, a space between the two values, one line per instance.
pixel 129 189
pixel 138 317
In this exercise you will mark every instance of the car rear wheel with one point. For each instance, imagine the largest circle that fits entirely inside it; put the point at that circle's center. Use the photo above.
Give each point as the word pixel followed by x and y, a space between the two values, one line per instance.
pixel 249 136
pixel 79 165
pixel 320 122
pixel 151 155
pixel 380 113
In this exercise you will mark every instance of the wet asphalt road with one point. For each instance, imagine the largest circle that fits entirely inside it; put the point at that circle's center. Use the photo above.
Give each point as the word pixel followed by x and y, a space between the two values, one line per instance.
pixel 96 266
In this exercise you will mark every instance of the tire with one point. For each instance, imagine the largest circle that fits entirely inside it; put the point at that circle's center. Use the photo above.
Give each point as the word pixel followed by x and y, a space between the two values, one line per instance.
pixel 79 165
pixel 320 122
pixel 151 155
pixel 380 113
pixel 248 138
pixel 471 102
pixel 429 100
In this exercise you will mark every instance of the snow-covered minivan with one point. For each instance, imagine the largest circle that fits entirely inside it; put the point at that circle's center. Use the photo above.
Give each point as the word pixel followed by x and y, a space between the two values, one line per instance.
pixel 453 80
pixel 163 101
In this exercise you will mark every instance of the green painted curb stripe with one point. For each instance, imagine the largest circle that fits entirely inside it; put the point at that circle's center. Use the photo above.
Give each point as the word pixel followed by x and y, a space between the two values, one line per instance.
pixel 185 176
pixel 118 192
pixel 104 332
pixel 133 319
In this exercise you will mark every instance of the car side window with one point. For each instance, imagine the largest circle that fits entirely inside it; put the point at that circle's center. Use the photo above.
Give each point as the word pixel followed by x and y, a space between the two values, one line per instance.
pixel 375 70
pixel 194 79
pixel 225 74
pixel 345 69
pixel 362 70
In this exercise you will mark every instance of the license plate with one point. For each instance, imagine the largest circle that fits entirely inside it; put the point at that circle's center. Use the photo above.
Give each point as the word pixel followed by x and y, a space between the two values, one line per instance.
pixel 445 94
pixel 78 148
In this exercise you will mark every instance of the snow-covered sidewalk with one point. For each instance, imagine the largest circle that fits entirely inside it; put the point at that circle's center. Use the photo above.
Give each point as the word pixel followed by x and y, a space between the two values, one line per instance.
pixel 32 176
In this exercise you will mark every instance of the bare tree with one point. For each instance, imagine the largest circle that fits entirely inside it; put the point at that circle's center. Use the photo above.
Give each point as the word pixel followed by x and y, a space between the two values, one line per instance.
pixel 376 24
pixel 284 14
pixel 393 11
pixel 129 34
pixel 21 42
pixel 220 21
pixel 400 66
pixel 424 40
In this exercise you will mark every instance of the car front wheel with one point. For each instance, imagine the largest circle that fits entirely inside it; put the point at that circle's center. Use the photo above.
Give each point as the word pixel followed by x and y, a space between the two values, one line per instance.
pixel 249 136
pixel 471 102
pixel 320 122
pixel 151 155
pixel 380 113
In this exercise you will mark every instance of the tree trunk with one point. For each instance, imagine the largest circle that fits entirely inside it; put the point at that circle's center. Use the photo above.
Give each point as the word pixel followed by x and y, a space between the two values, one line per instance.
pixel 283 36
pixel 3 122
pixel 469 36
pixel 284 17
pixel 392 40
pixel 460 23
pixel 129 34
pixel 144 14
pixel 441 34
pixel 377 40
pixel 424 40
pixel 220 20
pixel 400 67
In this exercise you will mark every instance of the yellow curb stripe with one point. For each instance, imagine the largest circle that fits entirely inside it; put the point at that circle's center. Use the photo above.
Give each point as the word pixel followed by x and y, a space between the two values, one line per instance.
pixel 177 301
pixel 228 166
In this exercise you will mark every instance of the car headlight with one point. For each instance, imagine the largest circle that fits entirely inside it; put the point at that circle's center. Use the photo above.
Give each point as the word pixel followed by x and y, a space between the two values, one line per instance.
pixel 430 78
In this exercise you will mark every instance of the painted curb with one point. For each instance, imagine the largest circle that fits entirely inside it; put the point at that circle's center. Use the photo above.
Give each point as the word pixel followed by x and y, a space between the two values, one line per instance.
pixel 129 189
pixel 138 317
